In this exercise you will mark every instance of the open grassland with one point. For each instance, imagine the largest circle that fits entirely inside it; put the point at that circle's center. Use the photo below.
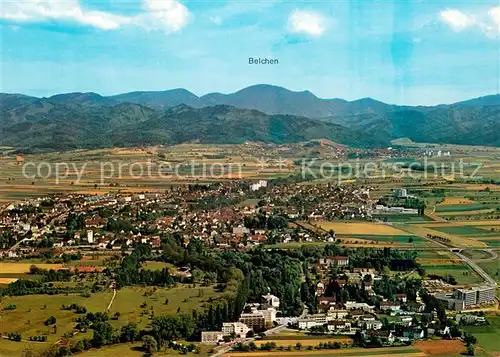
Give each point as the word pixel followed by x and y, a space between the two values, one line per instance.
pixel 476 254
pixel 152 265
pixel 32 310
pixel 22 348
pixel 488 335
pixel 492 268
pixel 128 302
pixel 462 273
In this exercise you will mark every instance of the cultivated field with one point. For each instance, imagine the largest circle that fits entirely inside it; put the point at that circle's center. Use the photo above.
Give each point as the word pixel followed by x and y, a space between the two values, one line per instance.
pixel 348 352
pixel 348 228
pixel 22 268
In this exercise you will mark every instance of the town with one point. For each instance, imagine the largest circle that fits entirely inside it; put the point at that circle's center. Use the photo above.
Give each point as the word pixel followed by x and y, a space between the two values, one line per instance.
pixel 254 262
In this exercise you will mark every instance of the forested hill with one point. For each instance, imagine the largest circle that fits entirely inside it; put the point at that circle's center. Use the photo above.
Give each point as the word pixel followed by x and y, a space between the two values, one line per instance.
pixel 44 125
pixel 258 113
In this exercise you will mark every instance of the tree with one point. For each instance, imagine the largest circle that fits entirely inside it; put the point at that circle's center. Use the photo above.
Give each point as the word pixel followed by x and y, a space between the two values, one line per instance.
pixel 470 339
pixel 129 332
pixel 471 349
pixel 455 331
pixel 149 344
pixel 103 334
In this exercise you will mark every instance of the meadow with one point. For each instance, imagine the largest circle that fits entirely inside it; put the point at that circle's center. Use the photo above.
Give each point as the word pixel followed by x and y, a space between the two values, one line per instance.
pixel 129 300
pixel 487 335
pixel 32 310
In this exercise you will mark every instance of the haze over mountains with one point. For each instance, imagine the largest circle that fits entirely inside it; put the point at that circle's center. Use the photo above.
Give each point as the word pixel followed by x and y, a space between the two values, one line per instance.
pixel 260 113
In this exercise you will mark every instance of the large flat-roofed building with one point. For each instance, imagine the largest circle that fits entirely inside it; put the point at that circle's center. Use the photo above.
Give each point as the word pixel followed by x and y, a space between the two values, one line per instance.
pixel 253 320
pixel 211 336
pixel 462 299
pixel 468 296
pixel 238 328
pixel 486 295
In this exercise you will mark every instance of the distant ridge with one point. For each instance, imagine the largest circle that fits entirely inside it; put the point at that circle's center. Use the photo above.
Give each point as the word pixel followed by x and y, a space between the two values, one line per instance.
pixel 266 98
pixel 261 112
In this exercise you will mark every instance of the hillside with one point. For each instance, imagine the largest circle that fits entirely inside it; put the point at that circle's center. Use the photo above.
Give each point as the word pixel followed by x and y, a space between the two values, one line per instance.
pixel 47 126
pixel 282 117
pixel 456 124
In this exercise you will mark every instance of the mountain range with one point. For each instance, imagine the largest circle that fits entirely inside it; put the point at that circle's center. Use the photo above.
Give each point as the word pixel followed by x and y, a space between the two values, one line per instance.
pixel 257 113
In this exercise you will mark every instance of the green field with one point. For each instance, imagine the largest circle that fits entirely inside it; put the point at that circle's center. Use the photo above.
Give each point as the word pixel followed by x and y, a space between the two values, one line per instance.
pixel 460 207
pixel 32 311
pixel 492 268
pixel 387 238
pixel 16 349
pixel 152 265
pixel 183 298
pixel 434 254
pixel 404 218
pixel 466 231
pixel 462 273
pixel 488 335
pixel 491 242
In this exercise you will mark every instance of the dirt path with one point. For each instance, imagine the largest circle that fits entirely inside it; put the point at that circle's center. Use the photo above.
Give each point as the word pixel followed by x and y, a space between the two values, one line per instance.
pixel 431 213
pixel 112 300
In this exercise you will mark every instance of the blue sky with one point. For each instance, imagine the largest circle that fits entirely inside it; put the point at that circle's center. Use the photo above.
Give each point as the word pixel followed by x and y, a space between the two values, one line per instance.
pixel 404 52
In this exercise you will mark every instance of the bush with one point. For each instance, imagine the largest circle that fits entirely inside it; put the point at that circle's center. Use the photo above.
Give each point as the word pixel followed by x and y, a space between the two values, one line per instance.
pixel 50 321
pixel 14 336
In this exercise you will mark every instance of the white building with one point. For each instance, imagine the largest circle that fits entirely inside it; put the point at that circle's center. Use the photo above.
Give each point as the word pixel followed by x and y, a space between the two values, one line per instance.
pixel 337 325
pixel 258 185
pixel 211 336
pixel 90 236
pixel 272 300
pixel 237 328
pixel 352 305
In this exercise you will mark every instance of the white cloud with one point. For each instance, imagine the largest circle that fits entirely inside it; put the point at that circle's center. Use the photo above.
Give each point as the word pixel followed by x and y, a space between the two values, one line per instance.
pixel 494 15
pixel 456 19
pixel 168 15
pixel 309 22
pixel 488 23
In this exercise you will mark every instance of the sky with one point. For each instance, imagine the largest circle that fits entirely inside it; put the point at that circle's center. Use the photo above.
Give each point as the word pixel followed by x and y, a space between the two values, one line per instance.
pixel 415 52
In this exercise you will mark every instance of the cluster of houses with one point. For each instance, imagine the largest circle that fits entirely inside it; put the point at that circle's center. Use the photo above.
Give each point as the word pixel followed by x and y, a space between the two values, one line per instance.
pixel 172 211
